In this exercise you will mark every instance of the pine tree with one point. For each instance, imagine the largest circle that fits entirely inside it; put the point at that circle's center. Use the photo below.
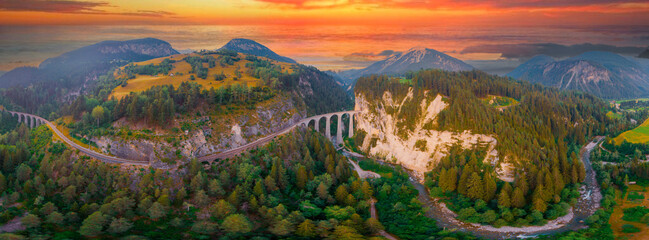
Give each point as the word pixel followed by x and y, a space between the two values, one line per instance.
pixel 258 190
pixel 93 225
pixel 451 180
pixel 373 225
pixel 522 184
pixel 157 211
pixel 503 199
pixel 367 190
pixel 201 199
pixel 581 171
pixel 539 204
pixel 119 225
pixel 236 223
pixel 301 177
pixel 464 179
pixel 306 229
pixel 475 187
pixel 490 188
pixel 574 176
pixel 443 180
pixel 214 188
pixel 341 194
pixel 518 200
pixel 323 192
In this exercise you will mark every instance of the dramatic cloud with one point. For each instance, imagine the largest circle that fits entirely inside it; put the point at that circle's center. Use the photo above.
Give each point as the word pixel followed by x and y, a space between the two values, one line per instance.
pixel 62 6
pixel 551 49
pixel 436 4
pixel 368 56
pixel 72 6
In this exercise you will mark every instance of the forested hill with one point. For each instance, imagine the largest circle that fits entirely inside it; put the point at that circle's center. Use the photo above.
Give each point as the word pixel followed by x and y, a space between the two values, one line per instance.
pixel 540 136
pixel 544 114
pixel 59 79
pixel 78 65
pixel 248 46
pixel 224 69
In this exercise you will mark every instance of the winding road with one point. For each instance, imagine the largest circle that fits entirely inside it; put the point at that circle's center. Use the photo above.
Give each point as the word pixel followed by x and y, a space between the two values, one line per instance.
pixel 89 152
pixel 207 158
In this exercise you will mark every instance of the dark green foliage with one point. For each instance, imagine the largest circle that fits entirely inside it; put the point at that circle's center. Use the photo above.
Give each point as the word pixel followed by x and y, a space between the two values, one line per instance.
pixel 635 214
pixel 628 228
pixel 635 196
pixel 400 211
pixel 7 122
pixel 150 69
pixel 545 144
pixel 626 148
pixel 257 194
pixel 325 96
pixel 634 104
pixel 197 64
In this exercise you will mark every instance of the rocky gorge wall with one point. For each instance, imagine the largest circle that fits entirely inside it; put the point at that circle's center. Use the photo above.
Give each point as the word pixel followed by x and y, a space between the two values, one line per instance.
pixel 383 136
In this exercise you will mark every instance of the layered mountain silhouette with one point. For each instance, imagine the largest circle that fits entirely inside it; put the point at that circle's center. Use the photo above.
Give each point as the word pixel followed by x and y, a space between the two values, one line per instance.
pixel 604 74
pixel 251 47
pixel 644 54
pixel 76 67
pixel 412 60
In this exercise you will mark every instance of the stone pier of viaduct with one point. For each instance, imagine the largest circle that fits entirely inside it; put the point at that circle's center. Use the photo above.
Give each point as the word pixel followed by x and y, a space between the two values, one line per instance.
pixel 315 121
pixel 34 121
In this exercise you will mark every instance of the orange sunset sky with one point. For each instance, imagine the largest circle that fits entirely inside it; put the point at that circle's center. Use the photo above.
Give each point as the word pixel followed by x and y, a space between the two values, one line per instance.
pixel 332 34
pixel 410 12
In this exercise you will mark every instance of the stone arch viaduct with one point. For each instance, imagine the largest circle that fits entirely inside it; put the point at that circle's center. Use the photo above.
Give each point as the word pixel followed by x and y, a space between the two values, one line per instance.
pixel 30 120
pixel 34 121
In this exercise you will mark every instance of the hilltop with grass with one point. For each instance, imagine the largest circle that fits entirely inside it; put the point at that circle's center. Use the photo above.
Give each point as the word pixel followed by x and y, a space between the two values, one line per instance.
pixel 207 68
pixel 190 105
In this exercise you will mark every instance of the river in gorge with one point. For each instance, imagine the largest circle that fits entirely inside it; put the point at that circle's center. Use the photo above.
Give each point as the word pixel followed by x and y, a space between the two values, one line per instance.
pixel 587 204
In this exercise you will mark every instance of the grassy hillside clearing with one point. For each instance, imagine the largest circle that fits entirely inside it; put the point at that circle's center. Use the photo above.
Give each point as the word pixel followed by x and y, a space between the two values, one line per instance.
pixel 182 71
pixel 639 134
pixel 626 201
pixel 500 101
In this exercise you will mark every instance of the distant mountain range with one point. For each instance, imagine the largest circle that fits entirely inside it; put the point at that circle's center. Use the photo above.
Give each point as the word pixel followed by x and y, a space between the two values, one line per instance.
pixel 248 46
pixel 604 74
pixel 412 60
pixel 644 54
pixel 76 67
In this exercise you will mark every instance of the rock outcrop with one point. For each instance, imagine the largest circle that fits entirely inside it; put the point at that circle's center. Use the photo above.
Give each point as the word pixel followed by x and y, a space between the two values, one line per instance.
pixel 423 147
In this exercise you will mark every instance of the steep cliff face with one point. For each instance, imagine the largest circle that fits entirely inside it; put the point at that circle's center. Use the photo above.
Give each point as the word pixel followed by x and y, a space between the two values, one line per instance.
pixel 419 149
pixel 217 134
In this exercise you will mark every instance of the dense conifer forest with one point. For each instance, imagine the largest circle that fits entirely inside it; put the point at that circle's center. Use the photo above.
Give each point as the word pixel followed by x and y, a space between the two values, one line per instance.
pixel 298 186
pixel 546 127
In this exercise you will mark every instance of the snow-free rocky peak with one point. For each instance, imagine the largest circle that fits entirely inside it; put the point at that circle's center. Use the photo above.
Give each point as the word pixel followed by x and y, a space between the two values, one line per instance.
pixel 248 46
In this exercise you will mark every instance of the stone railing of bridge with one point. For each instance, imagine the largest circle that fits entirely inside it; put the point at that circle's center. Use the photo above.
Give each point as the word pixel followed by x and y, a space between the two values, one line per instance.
pixel 30 120
pixel 327 118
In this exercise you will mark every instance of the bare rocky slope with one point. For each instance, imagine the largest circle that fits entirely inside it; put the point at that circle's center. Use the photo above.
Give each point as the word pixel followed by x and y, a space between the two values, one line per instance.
pixel 385 139
pixel 414 59
pixel 604 74
pixel 217 134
